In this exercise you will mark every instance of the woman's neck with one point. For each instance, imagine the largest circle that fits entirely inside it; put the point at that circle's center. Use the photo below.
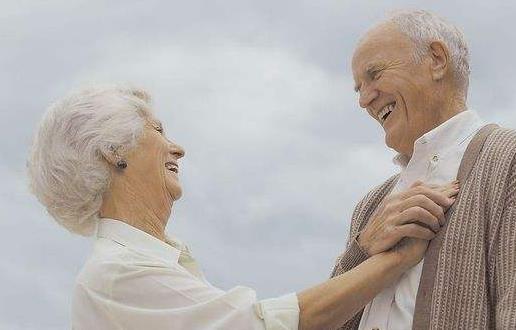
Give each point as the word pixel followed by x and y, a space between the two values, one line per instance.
pixel 134 206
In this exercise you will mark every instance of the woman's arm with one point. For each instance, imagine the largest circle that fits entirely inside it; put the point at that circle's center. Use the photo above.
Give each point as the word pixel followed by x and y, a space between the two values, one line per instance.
pixel 330 304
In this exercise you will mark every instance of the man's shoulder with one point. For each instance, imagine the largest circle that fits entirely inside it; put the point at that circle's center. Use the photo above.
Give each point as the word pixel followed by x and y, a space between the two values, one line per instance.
pixel 500 146
pixel 502 136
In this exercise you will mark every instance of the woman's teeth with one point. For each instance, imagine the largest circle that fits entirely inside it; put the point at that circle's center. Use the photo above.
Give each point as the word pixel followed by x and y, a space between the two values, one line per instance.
pixel 172 167
pixel 385 112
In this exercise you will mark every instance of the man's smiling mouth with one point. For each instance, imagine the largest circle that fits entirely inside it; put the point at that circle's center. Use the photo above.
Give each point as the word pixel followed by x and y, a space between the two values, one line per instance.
pixel 386 111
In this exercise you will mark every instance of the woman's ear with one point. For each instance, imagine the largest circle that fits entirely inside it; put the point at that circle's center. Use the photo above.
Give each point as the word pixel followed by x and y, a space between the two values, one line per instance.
pixel 110 155
pixel 440 60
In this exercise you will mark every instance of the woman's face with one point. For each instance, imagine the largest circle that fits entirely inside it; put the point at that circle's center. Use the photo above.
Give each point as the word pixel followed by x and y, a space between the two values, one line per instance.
pixel 154 162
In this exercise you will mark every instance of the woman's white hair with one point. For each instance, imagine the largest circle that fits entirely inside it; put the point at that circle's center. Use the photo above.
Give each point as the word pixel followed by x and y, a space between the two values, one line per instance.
pixel 66 168
pixel 424 27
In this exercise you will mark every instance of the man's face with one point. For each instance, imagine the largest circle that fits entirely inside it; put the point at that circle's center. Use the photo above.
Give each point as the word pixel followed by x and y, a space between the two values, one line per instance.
pixel 395 91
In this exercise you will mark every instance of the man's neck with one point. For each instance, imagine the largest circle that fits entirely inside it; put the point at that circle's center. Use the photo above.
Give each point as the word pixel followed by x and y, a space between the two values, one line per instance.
pixel 452 105
pixel 443 114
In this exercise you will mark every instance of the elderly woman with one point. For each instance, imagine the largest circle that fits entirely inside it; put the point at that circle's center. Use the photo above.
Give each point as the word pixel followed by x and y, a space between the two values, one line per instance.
pixel 101 163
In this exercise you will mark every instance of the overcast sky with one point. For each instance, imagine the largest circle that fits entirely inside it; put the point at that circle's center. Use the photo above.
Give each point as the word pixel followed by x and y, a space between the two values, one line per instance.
pixel 260 95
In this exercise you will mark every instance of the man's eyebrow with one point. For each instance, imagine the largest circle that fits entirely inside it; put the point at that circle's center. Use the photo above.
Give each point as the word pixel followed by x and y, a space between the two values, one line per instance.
pixel 373 68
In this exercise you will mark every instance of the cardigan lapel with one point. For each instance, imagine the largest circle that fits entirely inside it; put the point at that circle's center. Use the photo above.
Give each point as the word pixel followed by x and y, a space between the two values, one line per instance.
pixel 423 306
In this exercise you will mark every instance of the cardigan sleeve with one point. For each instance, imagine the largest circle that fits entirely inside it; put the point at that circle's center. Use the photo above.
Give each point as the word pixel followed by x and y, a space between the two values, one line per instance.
pixel 505 263
pixel 354 255
pixel 506 272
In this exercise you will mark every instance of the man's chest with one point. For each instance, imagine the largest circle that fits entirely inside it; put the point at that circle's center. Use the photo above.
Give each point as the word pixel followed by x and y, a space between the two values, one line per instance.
pixel 431 168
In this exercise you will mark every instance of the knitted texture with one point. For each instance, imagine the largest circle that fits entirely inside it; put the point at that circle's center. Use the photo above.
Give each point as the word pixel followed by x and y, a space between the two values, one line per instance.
pixel 474 282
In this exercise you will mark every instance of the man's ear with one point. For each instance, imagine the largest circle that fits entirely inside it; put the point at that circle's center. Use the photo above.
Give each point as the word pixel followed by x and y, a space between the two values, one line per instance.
pixel 440 60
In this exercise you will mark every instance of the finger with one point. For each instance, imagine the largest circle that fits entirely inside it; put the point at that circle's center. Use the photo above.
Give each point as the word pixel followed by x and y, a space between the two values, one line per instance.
pixel 436 196
pixel 450 189
pixel 404 194
pixel 415 231
pixel 416 183
pixel 419 214
pixel 422 201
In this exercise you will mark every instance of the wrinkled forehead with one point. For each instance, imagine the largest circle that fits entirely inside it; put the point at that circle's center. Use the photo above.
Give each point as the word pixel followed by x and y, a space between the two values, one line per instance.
pixel 384 42
pixel 150 118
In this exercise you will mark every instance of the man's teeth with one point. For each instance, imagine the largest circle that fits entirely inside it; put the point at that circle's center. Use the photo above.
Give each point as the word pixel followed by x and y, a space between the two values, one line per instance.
pixel 382 115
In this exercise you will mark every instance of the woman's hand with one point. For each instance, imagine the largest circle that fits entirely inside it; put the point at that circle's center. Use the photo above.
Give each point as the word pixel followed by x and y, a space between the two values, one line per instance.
pixel 417 213
pixel 410 251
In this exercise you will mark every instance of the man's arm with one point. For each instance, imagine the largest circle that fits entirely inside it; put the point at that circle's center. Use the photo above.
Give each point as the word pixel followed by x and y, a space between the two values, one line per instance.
pixel 505 263
pixel 353 255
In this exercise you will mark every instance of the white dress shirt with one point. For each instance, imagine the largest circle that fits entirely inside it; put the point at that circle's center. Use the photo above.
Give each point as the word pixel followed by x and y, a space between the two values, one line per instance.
pixel 435 160
pixel 134 281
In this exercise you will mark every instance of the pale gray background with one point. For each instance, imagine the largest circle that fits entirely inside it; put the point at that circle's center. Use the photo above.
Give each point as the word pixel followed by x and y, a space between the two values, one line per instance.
pixel 260 95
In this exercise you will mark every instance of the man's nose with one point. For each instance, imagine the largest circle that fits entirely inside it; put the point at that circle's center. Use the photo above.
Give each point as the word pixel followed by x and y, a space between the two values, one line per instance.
pixel 177 150
pixel 367 95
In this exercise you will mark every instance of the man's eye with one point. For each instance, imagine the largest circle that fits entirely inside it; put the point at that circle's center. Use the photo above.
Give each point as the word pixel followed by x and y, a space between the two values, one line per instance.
pixel 377 74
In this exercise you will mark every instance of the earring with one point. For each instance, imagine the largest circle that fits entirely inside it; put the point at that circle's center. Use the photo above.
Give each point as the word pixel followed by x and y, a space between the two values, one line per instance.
pixel 121 164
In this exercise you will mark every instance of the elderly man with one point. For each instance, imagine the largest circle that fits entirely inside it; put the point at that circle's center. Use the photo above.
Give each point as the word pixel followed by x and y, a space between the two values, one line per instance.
pixel 411 72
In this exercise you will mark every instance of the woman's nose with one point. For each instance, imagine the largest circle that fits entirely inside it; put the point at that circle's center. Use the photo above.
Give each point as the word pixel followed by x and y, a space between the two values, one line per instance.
pixel 177 150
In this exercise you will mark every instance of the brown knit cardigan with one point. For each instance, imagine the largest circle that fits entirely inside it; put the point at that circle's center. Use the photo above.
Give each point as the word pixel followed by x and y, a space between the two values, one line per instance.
pixel 469 273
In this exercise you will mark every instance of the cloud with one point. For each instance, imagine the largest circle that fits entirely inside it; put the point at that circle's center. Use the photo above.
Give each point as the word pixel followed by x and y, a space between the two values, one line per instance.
pixel 258 93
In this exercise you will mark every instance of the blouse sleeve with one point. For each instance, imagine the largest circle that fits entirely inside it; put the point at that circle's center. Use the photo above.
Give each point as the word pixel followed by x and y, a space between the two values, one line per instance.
pixel 146 297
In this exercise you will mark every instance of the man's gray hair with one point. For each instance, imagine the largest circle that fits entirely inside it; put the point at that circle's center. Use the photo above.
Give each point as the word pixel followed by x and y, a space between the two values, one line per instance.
pixel 424 27
pixel 66 169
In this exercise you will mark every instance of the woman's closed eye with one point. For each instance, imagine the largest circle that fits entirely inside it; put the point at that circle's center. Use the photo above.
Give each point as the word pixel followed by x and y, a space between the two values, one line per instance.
pixel 159 129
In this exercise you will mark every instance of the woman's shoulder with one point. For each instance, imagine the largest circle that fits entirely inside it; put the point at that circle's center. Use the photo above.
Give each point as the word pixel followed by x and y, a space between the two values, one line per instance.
pixel 109 261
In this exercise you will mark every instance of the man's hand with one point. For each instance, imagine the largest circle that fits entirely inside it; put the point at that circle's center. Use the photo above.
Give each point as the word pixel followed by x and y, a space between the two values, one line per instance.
pixel 416 213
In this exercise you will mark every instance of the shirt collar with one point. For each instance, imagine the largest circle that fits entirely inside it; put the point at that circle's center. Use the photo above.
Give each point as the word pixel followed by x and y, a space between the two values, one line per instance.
pixel 451 133
pixel 138 240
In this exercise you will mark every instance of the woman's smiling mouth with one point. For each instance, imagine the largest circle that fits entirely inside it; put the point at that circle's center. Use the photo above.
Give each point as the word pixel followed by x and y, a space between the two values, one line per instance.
pixel 172 166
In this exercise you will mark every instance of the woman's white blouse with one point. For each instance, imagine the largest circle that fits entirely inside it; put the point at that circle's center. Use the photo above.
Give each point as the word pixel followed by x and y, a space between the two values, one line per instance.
pixel 135 281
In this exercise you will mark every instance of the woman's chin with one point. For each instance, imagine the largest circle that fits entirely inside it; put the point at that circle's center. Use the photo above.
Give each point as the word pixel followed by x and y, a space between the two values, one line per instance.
pixel 175 193
pixel 173 187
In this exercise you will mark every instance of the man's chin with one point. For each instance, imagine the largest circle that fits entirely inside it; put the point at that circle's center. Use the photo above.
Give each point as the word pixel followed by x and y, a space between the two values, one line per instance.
pixel 391 142
pixel 388 140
